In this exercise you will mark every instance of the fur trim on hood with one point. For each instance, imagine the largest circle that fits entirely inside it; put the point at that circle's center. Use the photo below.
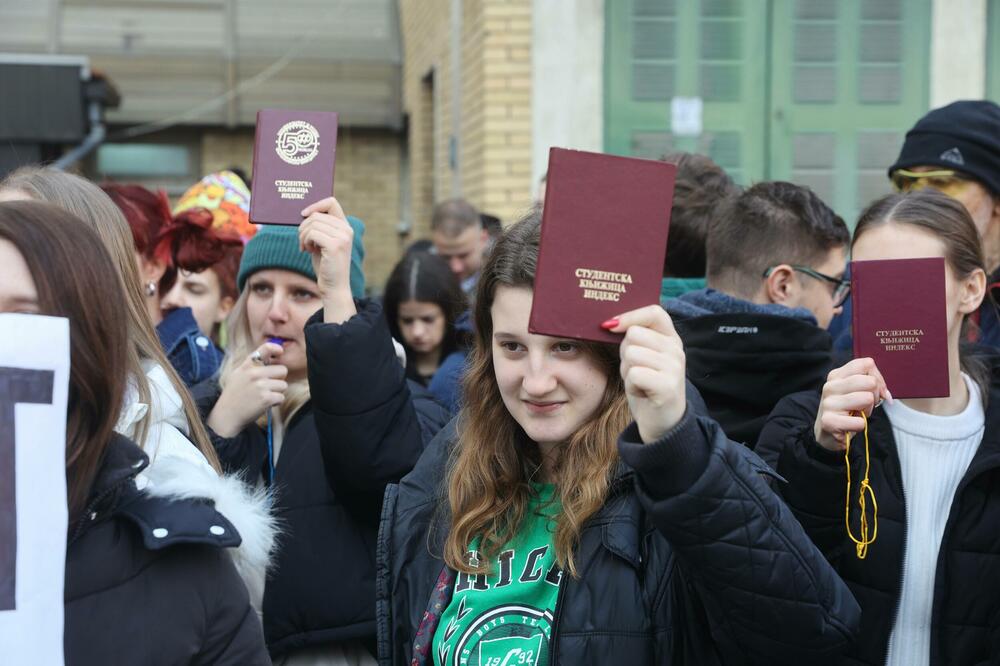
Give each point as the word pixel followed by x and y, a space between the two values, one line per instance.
pixel 248 509
pixel 178 470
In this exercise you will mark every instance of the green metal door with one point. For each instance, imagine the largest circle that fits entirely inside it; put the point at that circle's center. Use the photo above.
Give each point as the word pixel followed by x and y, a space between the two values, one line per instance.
pixel 819 92
pixel 848 79
pixel 660 49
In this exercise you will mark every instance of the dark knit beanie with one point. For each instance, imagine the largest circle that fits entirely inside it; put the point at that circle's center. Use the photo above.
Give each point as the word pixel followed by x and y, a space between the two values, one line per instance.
pixel 278 247
pixel 963 136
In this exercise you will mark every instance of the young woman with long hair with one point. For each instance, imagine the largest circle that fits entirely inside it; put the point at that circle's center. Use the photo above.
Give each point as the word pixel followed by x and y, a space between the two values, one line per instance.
pixel 545 528
pixel 424 304
pixel 267 423
pixel 927 583
pixel 135 592
pixel 97 210
pixel 157 412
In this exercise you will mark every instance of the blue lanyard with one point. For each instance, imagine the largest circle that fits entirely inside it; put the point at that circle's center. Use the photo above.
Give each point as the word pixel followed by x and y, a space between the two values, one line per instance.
pixel 270 448
pixel 270 433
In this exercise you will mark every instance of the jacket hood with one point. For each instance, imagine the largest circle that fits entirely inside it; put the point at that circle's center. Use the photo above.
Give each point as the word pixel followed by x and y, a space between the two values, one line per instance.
pixel 246 507
pixel 744 363
pixel 709 301
pixel 164 406
pixel 162 521
pixel 176 470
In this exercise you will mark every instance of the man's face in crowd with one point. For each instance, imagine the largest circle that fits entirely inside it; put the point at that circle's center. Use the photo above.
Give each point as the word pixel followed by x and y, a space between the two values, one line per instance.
pixel 463 252
pixel 817 296
pixel 794 288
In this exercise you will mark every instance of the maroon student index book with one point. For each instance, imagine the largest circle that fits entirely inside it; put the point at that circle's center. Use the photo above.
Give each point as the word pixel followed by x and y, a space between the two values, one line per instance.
pixel 604 237
pixel 899 320
pixel 293 159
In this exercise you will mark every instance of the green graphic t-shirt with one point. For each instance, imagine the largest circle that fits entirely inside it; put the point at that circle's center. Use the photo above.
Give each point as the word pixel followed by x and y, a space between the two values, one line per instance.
pixel 505 618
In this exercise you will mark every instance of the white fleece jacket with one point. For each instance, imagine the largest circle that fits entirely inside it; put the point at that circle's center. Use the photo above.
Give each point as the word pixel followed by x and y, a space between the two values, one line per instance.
pixel 177 469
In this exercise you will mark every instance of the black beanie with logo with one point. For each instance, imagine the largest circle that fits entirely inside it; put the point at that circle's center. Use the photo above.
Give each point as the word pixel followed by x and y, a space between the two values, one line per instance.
pixel 963 136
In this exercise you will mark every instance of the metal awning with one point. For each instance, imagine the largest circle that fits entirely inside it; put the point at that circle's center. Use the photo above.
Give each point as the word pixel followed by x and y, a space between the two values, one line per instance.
pixel 216 62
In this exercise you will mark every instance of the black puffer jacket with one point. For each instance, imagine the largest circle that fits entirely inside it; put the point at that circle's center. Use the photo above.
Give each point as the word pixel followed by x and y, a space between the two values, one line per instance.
pixel 137 595
pixel 743 363
pixel 692 560
pixel 966 611
pixel 321 587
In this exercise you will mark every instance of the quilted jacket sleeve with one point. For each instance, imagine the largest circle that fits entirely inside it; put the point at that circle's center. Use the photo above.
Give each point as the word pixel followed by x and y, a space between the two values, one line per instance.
pixel 766 589
pixel 815 487
pixel 369 432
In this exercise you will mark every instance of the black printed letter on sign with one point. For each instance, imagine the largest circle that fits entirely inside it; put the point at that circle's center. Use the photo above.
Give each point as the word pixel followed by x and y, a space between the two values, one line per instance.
pixel 24 386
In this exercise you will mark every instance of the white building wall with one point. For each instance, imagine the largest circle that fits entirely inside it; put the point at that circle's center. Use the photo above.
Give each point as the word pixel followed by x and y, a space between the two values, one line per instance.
pixel 567 78
pixel 958 51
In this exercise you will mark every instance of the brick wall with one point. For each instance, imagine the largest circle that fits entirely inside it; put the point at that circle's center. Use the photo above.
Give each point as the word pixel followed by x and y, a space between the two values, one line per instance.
pixel 367 185
pixel 494 138
pixel 221 149
pixel 424 25
pixel 507 186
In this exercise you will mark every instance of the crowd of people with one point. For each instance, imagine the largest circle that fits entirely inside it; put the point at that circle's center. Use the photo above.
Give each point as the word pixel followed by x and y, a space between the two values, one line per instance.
pixel 270 461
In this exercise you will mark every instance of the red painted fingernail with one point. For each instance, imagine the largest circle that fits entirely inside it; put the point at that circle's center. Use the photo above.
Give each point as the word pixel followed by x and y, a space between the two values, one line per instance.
pixel 611 323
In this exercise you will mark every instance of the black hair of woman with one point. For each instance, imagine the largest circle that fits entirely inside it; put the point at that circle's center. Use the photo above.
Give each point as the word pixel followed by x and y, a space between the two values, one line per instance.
pixel 424 278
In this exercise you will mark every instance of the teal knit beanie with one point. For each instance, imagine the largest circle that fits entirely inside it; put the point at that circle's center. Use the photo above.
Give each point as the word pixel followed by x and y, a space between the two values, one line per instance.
pixel 278 247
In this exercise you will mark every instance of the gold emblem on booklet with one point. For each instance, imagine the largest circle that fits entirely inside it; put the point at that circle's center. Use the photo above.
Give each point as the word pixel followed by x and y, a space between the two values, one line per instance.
pixel 297 142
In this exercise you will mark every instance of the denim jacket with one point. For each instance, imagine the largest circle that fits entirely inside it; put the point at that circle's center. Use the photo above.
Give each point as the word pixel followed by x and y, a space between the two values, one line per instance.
pixel 192 353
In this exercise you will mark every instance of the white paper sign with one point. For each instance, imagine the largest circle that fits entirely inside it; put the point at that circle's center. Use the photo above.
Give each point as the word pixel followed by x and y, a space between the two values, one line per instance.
pixel 34 380
pixel 685 116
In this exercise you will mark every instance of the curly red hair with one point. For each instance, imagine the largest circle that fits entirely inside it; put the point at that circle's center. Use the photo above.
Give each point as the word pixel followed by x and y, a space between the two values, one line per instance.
pixel 147 213
pixel 187 241
pixel 195 245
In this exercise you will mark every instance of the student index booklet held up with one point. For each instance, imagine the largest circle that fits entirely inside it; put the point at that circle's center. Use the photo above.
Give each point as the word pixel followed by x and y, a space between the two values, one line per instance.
pixel 603 241
pixel 899 320
pixel 293 160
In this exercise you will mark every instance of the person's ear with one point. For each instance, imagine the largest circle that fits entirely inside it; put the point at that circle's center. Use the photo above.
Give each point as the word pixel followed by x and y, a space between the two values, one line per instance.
pixel 225 307
pixel 780 285
pixel 484 237
pixel 972 292
pixel 151 269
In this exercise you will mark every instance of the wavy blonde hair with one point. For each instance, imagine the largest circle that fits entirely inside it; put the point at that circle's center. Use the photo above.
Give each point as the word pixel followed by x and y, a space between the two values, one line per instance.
pixel 241 344
pixel 494 461
pixel 88 202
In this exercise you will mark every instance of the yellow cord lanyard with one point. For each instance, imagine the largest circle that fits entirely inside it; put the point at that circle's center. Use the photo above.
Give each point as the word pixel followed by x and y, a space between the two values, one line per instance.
pixel 864 491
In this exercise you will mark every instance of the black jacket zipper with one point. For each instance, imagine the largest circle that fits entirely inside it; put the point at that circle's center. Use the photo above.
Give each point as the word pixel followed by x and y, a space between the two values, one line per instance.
pixel 553 657
pixel 89 511
pixel 615 488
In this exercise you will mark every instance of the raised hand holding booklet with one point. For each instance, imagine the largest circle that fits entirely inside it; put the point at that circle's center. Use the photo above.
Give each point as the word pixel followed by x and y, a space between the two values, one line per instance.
pixel 604 237
pixel 899 320
pixel 293 160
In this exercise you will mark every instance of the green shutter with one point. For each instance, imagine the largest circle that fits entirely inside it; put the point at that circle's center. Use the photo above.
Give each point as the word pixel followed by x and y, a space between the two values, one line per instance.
pixel 846 85
pixel 659 49
pixel 814 91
